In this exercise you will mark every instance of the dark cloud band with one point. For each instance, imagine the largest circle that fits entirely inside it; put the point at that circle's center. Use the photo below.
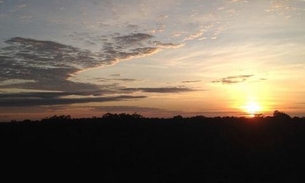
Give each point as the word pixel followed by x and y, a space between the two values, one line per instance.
pixel 25 101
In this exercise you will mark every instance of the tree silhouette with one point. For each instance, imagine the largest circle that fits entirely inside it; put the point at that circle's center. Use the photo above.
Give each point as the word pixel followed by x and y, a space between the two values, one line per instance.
pixel 122 116
pixel 280 115
pixel 56 118
pixel 218 149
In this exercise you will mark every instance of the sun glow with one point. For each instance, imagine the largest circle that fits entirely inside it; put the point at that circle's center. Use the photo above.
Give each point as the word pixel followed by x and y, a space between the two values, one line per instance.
pixel 252 108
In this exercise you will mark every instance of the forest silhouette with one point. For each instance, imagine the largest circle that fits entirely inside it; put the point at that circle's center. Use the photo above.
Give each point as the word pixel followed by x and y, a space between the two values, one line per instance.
pixel 123 147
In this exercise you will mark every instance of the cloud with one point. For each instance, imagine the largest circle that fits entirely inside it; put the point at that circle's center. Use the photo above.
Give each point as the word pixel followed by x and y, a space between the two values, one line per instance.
pixel 133 39
pixel 15 110
pixel 51 64
pixel 46 95
pixel 26 17
pixel 234 1
pixel 115 80
pixel 125 80
pixel 193 81
pixel 15 81
pixel 52 98
pixel 237 1
pixel 194 36
pixel 46 65
pixel 116 75
pixel 167 45
pixel 66 98
pixel 127 109
pixel 127 44
pixel 233 79
pixel 159 90
pixel 131 26
pixel 21 6
pixel 283 8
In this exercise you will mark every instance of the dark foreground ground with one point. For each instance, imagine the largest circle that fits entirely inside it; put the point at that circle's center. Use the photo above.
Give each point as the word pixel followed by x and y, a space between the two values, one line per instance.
pixel 155 150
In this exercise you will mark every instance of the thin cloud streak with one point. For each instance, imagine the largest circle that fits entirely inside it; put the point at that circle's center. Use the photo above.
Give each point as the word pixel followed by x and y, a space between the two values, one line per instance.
pixel 233 79
pixel 192 81
pixel 23 102
pixel 160 90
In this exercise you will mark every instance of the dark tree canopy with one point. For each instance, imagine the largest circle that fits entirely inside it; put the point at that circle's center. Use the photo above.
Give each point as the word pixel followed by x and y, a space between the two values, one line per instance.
pixel 280 115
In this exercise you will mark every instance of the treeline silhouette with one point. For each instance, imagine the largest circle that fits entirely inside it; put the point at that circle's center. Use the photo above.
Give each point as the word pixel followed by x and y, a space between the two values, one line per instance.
pixel 123 147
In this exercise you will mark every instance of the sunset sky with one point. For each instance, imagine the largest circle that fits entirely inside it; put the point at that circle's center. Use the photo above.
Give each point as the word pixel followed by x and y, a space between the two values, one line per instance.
pixel 158 58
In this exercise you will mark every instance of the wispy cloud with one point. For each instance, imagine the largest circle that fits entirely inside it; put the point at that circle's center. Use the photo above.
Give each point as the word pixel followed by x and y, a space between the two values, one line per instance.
pixel 21 6
pixel 136 39
pixel 25 17
pixel 160 90
pixel 233 79
pixel 167 45
pixel 116 75
pixel 236 1
pixel 192 81
pixel 116 79
pixel 125 80
pixel 194 36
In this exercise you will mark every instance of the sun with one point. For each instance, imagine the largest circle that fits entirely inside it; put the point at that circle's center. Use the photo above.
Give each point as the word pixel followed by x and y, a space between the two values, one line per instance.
pixel 252 108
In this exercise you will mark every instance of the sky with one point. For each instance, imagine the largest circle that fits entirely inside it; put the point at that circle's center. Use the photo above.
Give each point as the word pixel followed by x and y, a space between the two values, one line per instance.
pixel 157 58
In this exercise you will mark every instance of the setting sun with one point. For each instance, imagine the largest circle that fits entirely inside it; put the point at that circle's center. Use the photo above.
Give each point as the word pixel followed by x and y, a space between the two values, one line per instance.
pixel 252 108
